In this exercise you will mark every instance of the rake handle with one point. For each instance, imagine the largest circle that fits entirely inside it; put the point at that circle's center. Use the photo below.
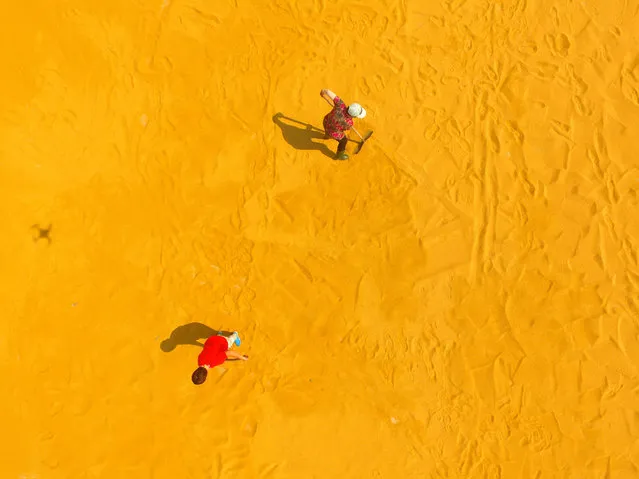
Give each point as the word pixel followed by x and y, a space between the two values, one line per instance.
pixel 352 127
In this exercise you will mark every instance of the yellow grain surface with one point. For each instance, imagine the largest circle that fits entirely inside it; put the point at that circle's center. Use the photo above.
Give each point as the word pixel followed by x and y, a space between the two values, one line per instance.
pixel 459 300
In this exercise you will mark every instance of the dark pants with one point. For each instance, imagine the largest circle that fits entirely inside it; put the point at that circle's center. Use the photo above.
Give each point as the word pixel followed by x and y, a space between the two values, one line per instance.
pixel 342 145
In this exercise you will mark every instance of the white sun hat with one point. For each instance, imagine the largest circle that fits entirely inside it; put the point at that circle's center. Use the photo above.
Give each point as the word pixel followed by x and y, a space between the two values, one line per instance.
pixel 356 110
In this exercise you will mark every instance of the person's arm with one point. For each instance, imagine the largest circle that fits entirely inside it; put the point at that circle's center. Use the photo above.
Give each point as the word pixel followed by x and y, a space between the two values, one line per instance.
pixel 328 95
pixel 235 355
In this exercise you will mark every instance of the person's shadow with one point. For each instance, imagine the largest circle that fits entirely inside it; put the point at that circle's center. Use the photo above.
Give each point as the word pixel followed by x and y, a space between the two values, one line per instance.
pixel 301 137
pixel 190 334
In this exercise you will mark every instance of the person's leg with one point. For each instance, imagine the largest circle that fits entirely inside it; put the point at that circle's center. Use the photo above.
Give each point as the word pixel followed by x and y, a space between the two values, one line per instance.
pixel 341 147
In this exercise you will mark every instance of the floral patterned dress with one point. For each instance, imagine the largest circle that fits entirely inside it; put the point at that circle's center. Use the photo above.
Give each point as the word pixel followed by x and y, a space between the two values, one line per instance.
pixel 338 120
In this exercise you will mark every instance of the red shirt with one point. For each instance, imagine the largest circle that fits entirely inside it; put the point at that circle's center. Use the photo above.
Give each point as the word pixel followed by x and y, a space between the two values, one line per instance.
pixel 214 352
pixel 338 120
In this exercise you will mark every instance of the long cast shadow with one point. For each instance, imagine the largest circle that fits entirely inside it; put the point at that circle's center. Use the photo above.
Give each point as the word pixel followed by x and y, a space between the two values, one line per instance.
pixel 301 137
pixel 189 334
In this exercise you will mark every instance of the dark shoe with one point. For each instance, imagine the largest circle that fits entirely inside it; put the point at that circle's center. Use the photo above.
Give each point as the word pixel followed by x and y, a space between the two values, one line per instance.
pixel 342 156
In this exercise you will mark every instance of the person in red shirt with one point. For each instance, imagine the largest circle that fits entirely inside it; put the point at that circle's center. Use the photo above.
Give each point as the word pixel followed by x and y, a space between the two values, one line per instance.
pixel 217 349
pixel 340 120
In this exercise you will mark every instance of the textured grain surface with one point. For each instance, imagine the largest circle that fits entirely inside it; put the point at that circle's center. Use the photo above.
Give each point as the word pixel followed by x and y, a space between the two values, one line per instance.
pixel 461 299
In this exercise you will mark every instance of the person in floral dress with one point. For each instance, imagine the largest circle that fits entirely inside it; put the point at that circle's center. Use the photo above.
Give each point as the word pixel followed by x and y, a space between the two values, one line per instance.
pixel 340 120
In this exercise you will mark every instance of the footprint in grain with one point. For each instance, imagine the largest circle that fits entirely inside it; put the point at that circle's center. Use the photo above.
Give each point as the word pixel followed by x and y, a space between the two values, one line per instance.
pixel 630 86
pixel 560 44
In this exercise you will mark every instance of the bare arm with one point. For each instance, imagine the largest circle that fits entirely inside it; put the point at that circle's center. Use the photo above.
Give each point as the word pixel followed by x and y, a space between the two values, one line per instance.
pixel 328 95
pixel 235 355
